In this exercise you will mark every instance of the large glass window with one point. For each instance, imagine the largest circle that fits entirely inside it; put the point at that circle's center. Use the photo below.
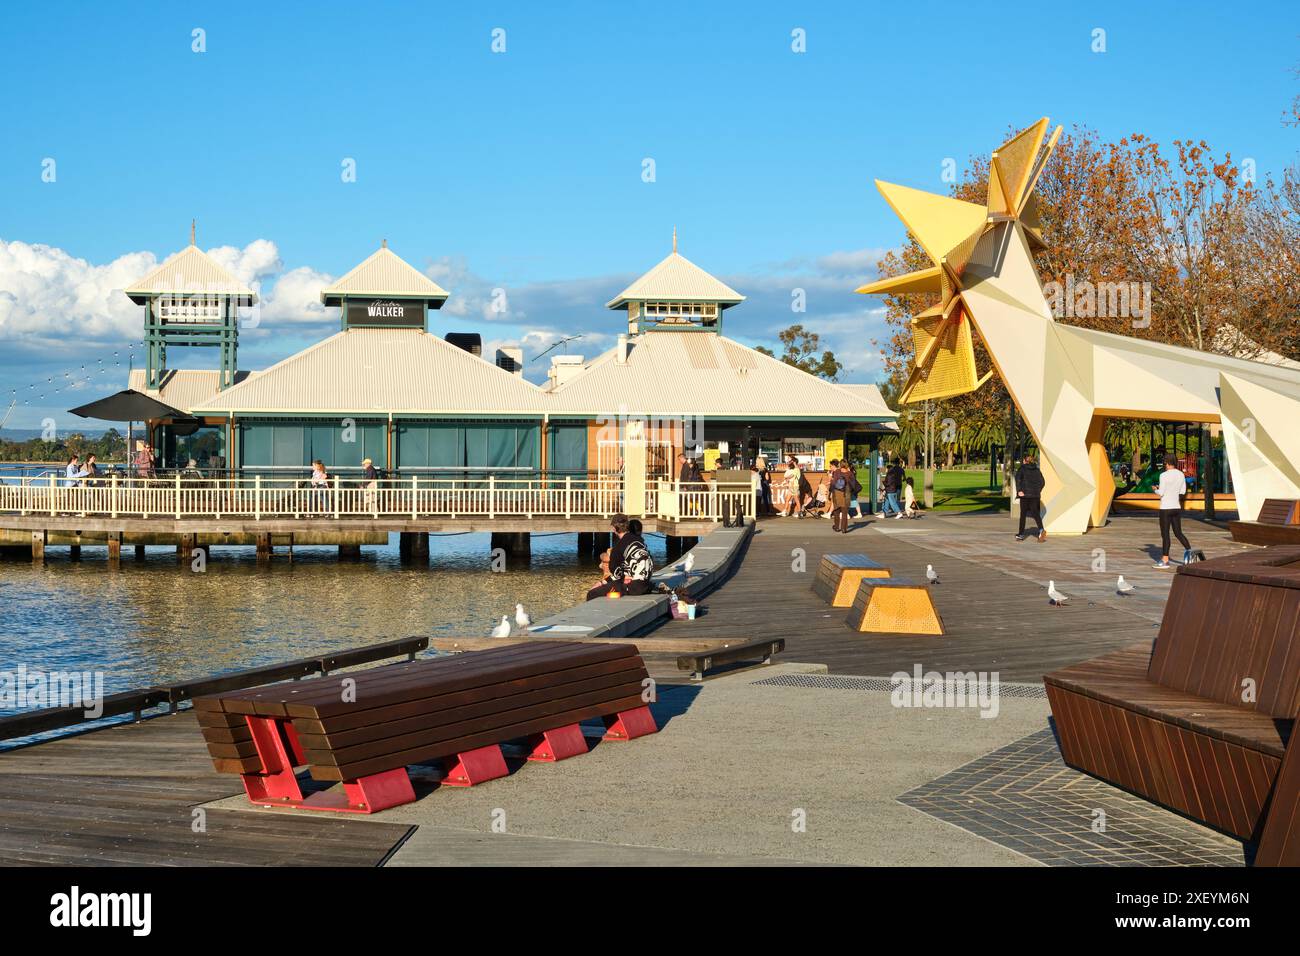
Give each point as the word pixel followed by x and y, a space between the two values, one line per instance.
pixel 470 449
pixel 206 446
pixel 284 445
pixel 566 446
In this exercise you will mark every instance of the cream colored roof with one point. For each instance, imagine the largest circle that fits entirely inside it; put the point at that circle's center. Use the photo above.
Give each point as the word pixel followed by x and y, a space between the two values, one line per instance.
pixel 677 279
pixel 385 273
pixel 190 270
pixel 404 371
pixel 871 395
pixel 184 388
pixel 700 373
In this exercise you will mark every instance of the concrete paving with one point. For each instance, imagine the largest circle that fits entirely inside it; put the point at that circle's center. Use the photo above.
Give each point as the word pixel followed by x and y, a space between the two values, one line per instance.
pixel 733 768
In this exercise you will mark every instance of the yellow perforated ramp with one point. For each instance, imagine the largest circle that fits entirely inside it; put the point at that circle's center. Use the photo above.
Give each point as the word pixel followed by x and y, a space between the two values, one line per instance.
pixel 839 575
pixel 894 606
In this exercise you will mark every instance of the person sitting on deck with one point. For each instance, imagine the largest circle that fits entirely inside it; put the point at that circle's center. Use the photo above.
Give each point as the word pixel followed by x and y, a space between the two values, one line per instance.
pixel 191 470
pixel 630 562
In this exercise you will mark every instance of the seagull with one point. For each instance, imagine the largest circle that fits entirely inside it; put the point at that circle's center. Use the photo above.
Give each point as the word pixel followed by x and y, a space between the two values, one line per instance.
pixel 1055 597
pixel 931 575
pixel 522 618
pixel 502 629
pixel 1123 587
pixel 689 563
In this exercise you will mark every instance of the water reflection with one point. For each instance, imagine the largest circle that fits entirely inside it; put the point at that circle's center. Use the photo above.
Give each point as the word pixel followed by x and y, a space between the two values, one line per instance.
pixel 156 620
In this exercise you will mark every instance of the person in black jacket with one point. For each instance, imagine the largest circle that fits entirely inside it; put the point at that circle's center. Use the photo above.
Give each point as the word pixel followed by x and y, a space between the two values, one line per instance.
pixel 893 483
pixel 1029 490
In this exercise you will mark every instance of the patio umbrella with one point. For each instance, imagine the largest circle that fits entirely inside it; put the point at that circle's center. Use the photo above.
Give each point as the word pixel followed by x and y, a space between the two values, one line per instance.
pixel 127 405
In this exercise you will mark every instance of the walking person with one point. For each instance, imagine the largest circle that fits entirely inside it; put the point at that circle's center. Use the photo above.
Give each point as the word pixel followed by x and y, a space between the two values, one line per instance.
pixel 371 477
pixel 1029 490
pixel 910 508
pixel 854 490
pixel 840 487
pixel 793 490
pixel 893 483
pixel 1172 490
pixel 765 486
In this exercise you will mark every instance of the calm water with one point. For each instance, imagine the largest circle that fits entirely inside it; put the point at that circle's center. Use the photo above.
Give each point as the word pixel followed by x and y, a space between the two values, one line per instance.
pixel 156 620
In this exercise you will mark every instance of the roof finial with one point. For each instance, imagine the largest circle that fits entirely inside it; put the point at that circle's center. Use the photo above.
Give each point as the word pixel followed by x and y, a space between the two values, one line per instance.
pixel 674 239
pixel 383 243
pixel 192 222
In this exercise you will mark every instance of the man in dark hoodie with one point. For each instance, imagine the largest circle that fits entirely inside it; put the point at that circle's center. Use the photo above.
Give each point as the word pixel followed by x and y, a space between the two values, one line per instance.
pixel 1029 489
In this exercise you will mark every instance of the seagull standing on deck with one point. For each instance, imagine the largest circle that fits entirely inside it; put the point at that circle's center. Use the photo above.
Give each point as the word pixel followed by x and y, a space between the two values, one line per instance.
pixel 522 618
pixel 502 629
pixel 931 575
pixel 689 563
pixel 1123 587
pixel 1055 597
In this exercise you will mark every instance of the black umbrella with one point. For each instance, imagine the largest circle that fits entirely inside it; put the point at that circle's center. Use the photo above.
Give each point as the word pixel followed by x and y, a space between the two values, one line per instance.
pixel 127 405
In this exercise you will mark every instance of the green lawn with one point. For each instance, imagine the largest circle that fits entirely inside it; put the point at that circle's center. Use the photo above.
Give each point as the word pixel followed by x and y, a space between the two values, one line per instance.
pixel 955 490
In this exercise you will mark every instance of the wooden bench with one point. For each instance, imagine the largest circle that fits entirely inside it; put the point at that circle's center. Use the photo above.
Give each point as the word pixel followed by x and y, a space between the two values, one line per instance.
pixel 838 577
pixel 1278 523
pixel 704 661
pixel 894 606
pixel 365 728
pixel 1202 724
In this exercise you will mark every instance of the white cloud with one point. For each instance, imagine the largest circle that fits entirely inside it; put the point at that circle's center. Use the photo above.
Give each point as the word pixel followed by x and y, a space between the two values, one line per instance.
pixel 59 300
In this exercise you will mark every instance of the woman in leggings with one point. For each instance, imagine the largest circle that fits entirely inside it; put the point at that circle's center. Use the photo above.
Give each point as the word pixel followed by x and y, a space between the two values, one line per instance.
pixel 1172 489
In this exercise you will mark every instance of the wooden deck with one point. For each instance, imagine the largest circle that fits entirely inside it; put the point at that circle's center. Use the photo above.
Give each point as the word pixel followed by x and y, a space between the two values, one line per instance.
pixel 992 595
pixel 126 795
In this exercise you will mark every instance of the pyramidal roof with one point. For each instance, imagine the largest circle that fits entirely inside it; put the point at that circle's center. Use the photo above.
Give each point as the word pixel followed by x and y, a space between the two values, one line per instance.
pixel 385 273
pixel 677 279
pixel 189 271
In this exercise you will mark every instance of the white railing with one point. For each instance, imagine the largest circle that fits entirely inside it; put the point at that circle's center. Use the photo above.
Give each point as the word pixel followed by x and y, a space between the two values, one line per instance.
pixel 259 498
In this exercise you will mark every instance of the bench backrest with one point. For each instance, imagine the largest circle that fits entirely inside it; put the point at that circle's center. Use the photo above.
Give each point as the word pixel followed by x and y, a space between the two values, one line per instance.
pixel 1279 511
pixel 1231 632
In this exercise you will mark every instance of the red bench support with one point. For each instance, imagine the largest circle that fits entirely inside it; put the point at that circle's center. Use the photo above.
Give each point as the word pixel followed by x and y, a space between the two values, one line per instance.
pixel 559 744
pixel 277 784
pixel 473 767
pixel 630 724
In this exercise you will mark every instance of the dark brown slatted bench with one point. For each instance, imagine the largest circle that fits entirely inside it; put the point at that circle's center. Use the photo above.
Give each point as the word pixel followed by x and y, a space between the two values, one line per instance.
pixel 365 728
pixel 838 577
pixel 1202 723
pixel 1278 522
pixel 698 663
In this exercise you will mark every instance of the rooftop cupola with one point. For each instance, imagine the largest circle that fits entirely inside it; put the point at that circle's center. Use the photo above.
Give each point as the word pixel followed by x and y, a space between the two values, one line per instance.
pixel 384 292
pixel 190 300
pixel 676 295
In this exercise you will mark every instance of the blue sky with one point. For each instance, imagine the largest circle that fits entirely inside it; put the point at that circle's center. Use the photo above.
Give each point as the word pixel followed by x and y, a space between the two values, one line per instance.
pixel 523 170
